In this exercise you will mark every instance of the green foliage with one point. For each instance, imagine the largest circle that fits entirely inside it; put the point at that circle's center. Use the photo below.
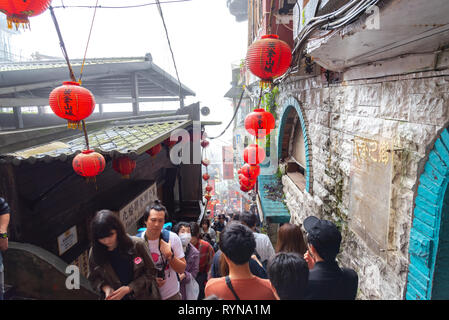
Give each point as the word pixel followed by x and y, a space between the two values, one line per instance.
pixel 268 102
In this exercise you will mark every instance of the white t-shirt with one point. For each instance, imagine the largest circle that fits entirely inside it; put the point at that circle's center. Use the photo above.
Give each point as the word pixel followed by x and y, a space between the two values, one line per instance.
pixel 171 286
pixel 263 246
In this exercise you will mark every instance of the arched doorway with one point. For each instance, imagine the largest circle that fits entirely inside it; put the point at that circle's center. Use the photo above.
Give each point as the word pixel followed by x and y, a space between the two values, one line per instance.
pixel 428 276
pixel 294 144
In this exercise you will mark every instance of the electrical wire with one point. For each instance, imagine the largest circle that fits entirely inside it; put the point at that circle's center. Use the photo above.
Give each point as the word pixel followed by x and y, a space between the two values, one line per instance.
pixel 331 21
pixel 119 7
pixel 171 51
pixel 88 40
pixel 235 113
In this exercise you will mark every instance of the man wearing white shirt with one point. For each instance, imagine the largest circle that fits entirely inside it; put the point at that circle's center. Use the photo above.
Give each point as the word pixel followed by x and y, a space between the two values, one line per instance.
pixel 168 256
pixel 264 247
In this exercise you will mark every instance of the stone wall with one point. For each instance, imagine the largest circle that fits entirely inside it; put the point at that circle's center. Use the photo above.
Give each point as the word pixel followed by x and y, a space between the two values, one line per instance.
pixel 410 110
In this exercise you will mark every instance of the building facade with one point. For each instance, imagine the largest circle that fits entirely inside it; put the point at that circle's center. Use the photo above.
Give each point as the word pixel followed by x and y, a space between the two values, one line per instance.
pixel 361 138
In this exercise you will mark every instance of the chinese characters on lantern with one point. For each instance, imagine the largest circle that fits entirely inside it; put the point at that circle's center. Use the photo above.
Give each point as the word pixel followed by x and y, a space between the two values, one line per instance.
pixel 270 54
pixel 67 101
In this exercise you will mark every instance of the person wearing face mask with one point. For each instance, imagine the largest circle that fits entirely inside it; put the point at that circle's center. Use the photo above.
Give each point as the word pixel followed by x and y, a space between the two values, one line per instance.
pixel 192 256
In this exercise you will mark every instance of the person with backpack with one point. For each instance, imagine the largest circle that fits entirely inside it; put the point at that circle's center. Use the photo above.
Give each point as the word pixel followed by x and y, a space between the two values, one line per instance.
pixel 327 281
pixel 166 250
pixel 120 267
pixel 237 244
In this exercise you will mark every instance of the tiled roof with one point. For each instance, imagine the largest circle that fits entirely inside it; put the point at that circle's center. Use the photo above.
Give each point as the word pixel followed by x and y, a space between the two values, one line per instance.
pixel 51 64
pixel 120 138
pixel 276 211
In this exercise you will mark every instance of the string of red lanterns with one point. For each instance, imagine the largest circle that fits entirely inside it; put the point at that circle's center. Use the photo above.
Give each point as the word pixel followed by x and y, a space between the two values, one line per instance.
pixel 267 59
pixel 205 162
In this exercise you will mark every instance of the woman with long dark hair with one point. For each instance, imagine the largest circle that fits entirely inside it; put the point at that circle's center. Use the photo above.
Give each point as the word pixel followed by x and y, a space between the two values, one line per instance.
pixel 290 239
pixel 120 267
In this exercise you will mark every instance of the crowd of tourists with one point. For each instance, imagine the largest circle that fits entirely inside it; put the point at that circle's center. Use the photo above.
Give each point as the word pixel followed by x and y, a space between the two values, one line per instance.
pixel 224 259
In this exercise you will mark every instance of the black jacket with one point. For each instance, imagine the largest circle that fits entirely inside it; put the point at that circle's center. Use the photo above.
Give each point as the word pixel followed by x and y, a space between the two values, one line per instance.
pixel 328 282
pixel 4 208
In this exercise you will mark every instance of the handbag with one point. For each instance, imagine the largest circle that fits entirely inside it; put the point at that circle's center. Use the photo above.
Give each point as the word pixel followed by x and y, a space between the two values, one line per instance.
pixel 192 289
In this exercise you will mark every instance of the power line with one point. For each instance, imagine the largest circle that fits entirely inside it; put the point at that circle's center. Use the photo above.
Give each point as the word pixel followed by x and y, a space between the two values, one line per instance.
pixel 172 54
pixel 120 7
pixel 235 113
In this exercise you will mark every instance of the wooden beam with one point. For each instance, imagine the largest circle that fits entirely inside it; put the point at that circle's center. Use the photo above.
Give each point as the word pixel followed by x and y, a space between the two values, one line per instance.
pixel 52 83
pixel 157 83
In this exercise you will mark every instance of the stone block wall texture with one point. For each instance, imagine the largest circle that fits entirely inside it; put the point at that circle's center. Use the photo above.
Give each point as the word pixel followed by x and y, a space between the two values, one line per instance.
pixel 410 110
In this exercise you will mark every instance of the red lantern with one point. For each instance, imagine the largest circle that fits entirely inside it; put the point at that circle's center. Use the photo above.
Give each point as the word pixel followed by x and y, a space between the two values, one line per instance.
pixel 204 143
pixel 72 102
pixel 88 163
pixel 207 196
pixel 245 189
pixel 253 154
pixel 244 181
pixel 259 123
pixel 239 171
pixel 17 12
pixel 251 172
pixel 208 188
pixel 124 166
pixel 169 143
pixel 206 177
pixel 205 162
pixel 268 57
pixel 154 150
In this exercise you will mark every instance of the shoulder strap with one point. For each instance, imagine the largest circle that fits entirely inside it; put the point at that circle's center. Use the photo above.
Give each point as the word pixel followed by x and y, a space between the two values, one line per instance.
pixel 229 284
pixel 165 235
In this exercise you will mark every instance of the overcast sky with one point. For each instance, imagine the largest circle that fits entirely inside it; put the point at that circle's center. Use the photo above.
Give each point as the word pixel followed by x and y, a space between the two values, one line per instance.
pixel 204 36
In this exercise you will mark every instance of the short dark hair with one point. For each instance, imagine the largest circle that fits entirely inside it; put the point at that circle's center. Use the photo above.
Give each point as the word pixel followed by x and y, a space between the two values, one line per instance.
pixel 248 218
pixel 289 274
pixel 194 229
pixel 237 243
pixel 207 221
pixel 101 227
pixel 181 224
pixel 158 206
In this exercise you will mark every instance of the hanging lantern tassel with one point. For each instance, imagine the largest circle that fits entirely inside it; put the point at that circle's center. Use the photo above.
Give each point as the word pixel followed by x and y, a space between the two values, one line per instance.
pixel 18 12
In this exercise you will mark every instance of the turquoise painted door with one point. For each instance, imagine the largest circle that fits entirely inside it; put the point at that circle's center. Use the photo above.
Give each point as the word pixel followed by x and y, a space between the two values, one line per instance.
pixel 440 288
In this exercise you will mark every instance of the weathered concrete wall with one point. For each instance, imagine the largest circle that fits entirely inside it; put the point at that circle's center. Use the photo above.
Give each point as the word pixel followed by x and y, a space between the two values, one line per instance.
pixel 410 110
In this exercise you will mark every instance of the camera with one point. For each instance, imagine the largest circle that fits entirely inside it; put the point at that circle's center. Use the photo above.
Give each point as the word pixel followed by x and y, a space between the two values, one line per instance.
pixel 161 274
